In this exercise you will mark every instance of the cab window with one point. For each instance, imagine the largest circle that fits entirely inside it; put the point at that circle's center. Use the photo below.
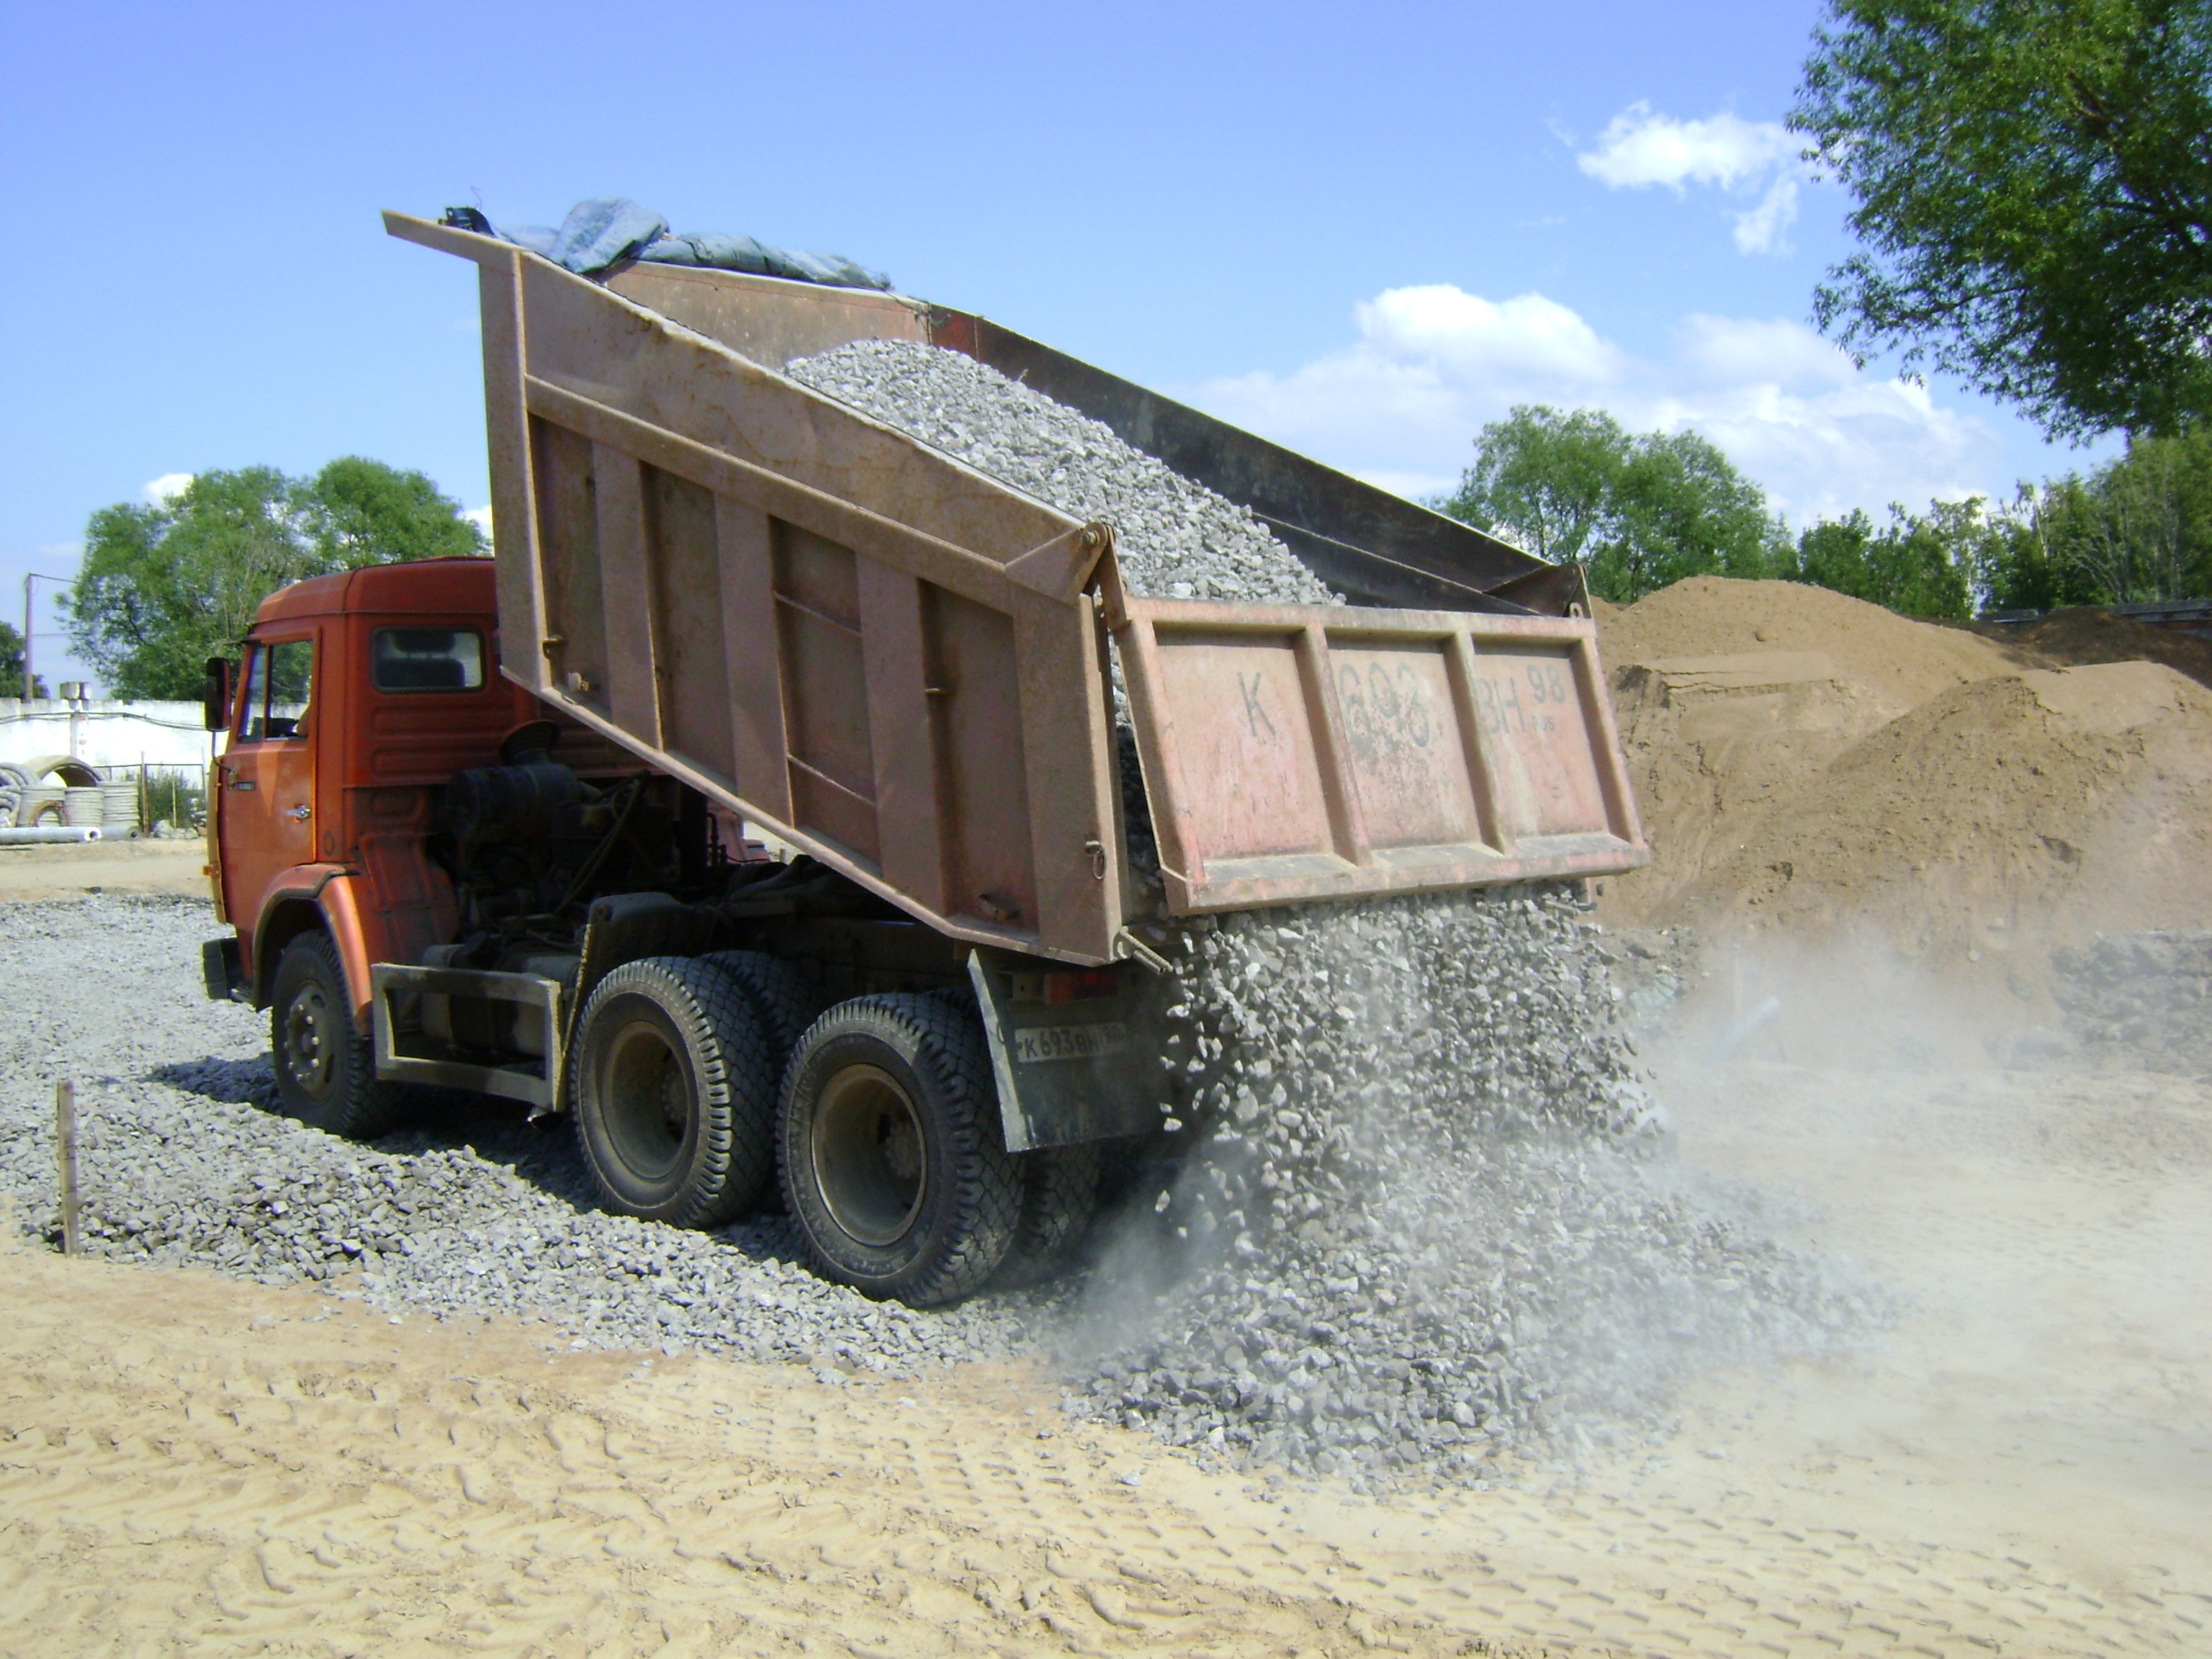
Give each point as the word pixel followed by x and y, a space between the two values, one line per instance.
pixel 279 683
pixel 427 659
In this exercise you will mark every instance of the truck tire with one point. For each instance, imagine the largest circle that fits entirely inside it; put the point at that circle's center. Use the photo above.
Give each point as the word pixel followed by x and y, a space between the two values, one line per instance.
pixel 325 1069
pixel 782 1000
pixel 893 1162
pixel 1060 1194
pixel 673 1095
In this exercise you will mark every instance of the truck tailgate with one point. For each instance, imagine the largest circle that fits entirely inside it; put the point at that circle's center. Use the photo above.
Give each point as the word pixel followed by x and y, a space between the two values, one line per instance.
pixel 1301 752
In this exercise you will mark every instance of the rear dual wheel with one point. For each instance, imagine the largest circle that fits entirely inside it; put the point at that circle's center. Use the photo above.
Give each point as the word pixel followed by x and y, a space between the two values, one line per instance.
pixel 674 1093
pixel 886 1128
pixel 893 1162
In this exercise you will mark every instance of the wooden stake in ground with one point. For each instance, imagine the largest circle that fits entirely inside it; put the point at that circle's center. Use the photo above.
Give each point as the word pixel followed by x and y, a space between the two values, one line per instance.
pixel 65 1127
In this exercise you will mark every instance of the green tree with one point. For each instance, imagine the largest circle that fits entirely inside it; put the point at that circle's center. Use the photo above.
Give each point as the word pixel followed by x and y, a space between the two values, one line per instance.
pixel 2034 188
pixel 2138 529
pixel 359 512
pixel 1921 567
pixel 1681 509
pixel 1543 478
pixel 11 665
pixel 1637 510
pixel 163 588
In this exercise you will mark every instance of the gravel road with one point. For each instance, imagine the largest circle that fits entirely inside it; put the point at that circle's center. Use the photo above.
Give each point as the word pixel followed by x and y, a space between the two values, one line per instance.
pixel 184 1159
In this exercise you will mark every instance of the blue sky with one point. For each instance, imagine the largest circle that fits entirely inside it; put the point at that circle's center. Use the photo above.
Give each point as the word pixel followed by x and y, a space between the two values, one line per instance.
pixel 1361 231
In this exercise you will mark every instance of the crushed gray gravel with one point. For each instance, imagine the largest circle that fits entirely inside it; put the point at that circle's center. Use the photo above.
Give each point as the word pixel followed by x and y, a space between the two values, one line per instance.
pixel 1174 539
pixel 1427 1229
pixel 184 1160
pixel 2141 1001
pixel 1416 1234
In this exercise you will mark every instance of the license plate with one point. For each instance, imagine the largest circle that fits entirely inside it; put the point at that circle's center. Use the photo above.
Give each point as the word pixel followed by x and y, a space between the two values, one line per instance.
pixel 1033 1043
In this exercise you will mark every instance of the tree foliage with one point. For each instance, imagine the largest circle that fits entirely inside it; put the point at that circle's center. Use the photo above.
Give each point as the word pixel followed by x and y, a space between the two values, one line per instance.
pixel 1637 510
pixel 1642 511
pixel 358 511
pixel 163 588
pixel 1923 567
pixel 11 665
pixel 2136 530
pixel 2034 186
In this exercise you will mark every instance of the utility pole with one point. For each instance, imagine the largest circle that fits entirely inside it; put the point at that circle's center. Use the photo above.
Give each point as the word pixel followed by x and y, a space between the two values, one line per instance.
pixel 31 680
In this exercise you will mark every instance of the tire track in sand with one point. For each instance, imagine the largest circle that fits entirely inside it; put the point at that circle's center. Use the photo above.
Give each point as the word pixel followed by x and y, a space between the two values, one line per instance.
pixel 188 1463
pixel 179 1470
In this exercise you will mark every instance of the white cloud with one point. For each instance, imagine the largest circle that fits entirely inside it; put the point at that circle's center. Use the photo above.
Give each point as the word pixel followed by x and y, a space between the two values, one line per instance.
pixel 166 488
pixel 480 517
pixel 1726 350
pixel 1526 334
pixel 1639 149
pixel 1401 405
pixel 1766 227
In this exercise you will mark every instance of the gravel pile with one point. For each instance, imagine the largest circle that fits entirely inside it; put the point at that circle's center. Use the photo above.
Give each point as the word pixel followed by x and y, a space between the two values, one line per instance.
pixel 2140 1000
pixel 184 1160
pixel 1421 1235
pixel 1415 1236
pixel 1174 539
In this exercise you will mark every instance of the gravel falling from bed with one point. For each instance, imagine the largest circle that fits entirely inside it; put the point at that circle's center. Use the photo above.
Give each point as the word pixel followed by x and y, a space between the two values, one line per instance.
pixel 1416 1233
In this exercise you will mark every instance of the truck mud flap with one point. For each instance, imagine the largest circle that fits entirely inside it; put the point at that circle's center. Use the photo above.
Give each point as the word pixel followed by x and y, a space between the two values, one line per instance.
pixel 220 966
pixel 625 926
pixel 406 1053
pixel 1068 1072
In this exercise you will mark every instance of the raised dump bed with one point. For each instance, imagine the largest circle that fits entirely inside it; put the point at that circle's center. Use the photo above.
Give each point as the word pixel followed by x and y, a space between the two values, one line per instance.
pixel 900 665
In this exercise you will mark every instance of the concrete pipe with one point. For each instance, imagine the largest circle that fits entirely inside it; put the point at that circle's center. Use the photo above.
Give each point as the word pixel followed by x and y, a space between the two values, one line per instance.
pixel 19 836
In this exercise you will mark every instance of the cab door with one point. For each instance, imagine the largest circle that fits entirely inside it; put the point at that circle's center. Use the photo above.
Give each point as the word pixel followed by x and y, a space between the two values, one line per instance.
pixel 268 777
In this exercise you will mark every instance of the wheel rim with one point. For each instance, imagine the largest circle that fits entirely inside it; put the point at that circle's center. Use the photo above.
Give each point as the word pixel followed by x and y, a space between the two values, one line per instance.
pixel 307 1045
pixel 869 1163
pixel 645 1100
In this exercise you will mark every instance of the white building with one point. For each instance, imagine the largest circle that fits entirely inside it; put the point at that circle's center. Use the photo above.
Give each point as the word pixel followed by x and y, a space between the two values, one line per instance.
pixel 115 735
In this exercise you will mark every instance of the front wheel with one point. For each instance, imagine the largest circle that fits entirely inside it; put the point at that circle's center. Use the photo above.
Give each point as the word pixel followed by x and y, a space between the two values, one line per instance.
pixel 893 1162
pixel 325 1070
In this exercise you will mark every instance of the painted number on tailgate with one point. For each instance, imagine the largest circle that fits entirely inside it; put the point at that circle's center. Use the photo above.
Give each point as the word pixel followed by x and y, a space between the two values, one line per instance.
pixel 1040 1042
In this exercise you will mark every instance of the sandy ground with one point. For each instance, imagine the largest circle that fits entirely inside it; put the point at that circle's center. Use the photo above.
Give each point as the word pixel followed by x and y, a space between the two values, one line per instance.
pixel 2023 1467
pixel 143 865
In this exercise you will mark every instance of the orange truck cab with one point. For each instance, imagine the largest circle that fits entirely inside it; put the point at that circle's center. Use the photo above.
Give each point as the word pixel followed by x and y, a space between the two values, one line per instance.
pixel 358 697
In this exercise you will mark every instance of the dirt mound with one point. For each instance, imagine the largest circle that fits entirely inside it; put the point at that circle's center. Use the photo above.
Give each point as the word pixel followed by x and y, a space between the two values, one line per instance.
pixel 1733 695
pixel 2091 634
pixel 1806 763
pixel 1897 662
pixel 1999 819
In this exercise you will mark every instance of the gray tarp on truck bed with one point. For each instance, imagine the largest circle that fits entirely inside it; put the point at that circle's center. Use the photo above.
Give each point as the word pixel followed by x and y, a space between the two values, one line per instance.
pixel 605 230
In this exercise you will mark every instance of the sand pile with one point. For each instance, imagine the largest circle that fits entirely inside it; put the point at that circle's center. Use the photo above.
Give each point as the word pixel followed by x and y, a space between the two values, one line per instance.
pixel 1893 661
pixel 2070 638
pixel 1807 764
pixel 1734 695
pixel 2036 806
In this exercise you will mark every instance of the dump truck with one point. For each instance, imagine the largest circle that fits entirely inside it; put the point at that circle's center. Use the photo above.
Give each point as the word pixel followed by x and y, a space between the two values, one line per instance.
pixel 759 804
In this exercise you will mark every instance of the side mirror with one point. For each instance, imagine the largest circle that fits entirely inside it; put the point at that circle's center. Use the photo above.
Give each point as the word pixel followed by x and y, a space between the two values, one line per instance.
pixel 214 702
